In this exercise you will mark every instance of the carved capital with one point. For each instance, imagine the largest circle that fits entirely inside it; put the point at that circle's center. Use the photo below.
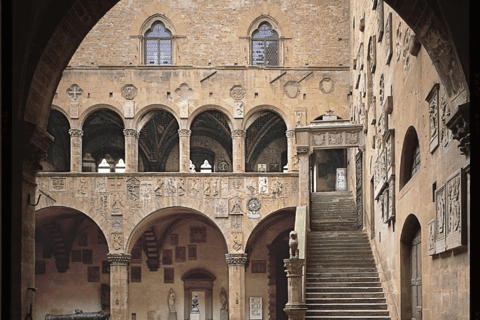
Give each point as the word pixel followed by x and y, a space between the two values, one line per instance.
pixel 76 133
pixel 119 259
pixel 131 133
pixel 236 258
pixel 303 150
pixel 184 132
pixel 238 133
pixel 294 267
pixel 459 124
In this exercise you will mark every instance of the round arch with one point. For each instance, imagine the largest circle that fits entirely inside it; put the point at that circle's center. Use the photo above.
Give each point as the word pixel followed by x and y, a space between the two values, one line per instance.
pixel 168 213
pixel 147 112
pixel 98 107
pixel 248 119
pixel 211 107
pixel 62 111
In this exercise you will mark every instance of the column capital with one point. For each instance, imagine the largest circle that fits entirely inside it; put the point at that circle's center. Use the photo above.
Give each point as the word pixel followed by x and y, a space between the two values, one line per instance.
pixel 119 258
pixel 303 150
pixel 184 132
pixel 76 133
pixel 131 133
pixel 239 133
pixel 290 133
pixel 236 258
pixel 294 267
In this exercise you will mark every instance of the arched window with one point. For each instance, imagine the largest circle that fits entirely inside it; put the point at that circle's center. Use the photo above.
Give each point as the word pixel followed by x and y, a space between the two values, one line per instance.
pixel 158 45
pixel 410 161
pixel 416 159
pixel 265 46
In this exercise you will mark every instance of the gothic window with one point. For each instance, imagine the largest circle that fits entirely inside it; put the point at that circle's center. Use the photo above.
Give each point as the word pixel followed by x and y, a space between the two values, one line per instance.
pixel 265 46
pixel 158 45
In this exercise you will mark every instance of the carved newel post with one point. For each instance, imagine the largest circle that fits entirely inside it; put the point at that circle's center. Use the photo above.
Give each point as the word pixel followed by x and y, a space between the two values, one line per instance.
pixel 195 313
pixel 295 307
pixel 291 151
pixel 184 161
pixel 172 314
pixel 119 285
pixel 75 150
pixel 131 149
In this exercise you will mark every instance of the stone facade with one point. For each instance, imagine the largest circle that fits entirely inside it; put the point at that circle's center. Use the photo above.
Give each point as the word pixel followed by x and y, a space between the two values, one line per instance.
pixel 355 63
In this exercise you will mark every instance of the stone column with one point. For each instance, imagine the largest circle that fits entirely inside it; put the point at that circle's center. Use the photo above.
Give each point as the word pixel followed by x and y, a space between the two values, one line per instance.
pixel 236 285
pixel 75 150
pixel 131 150
pixel 295 307
pixel 19 200
pixel 184 152
pixel 291 151
pixel 119 285
pixel 238 152
pixel 303 153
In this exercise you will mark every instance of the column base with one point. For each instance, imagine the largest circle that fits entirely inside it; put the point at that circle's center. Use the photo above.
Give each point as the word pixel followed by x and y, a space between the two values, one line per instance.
pixel 172 315
pixel 295 312
pixel 195 316
pixel 223 315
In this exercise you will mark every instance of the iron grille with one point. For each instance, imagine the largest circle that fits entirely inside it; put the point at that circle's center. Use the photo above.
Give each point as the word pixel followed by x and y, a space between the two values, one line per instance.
pixel 265 46
pixel 158 45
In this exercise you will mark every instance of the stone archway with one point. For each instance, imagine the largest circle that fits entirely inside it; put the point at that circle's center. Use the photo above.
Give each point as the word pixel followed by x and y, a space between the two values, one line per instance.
pixel 198 280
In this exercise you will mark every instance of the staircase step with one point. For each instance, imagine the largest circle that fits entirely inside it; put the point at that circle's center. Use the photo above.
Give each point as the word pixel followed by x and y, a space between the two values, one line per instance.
pixel 349 313
pixel 349 306
pixel 313 300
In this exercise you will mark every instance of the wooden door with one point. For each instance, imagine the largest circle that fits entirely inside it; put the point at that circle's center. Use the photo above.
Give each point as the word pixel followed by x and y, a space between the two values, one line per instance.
pixel 416 278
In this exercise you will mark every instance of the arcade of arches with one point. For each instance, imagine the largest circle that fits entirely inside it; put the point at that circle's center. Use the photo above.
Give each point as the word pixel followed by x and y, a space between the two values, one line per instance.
pixel 172 147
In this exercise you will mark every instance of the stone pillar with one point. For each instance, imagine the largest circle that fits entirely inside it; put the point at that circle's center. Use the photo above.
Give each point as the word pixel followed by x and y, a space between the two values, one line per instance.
pixel 236 285
pixel 184 152
pixel 119 285
pixel 75 150
pixel 18 202
pixel 292 159
pixel 131 150
pixel 295 307
pixel 303 153
pixel 238 152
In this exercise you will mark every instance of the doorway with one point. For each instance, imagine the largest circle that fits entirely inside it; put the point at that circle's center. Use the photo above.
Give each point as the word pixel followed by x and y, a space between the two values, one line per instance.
pixel 200 282
pixel 324 169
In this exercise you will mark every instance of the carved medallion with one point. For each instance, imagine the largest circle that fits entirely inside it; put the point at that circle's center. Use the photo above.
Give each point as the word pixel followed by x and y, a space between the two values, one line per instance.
pixel 254 204
pixel 327 85
pixel 222 166
pixel 129 91
pixel 183 92
pixel 237 92
pixel 292 89
pixel 74 92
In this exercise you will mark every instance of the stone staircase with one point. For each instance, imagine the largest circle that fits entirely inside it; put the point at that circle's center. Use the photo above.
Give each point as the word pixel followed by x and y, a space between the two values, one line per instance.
pixel 342 280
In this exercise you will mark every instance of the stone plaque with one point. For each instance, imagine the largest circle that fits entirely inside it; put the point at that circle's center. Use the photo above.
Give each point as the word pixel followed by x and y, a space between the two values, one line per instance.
pixel 76 255
pixel 259 266
pixel 431 238
pixel 174 240
pixel 167 256
pixel 455 208
pixel 87 256
pixel 129 109
pixel 440 219
pixel 74 110
pixel 238 110
pixel 180 254
pixel 221 208
pixel 388 39
pixel 380 29
pixel 168 275
pixel 192 252
pixel 93 274
pixel 237 240
pixel 198 234
pixel 433 102
pixel 133 189
pixel 256 308
pixel 136 274
pixel 341 180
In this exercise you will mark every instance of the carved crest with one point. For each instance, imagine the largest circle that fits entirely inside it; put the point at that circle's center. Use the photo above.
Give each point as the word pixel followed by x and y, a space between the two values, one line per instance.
pixel 129 91
pixel 74 92
pixel 237 92
pixel 183 92
pixel 327 85
pixel 292 89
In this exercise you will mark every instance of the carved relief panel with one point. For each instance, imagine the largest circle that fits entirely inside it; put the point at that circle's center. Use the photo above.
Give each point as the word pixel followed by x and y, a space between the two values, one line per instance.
pixel 432 100
pixel 388 39
pixel 380 20
pixel 440 219
pixel 455 209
